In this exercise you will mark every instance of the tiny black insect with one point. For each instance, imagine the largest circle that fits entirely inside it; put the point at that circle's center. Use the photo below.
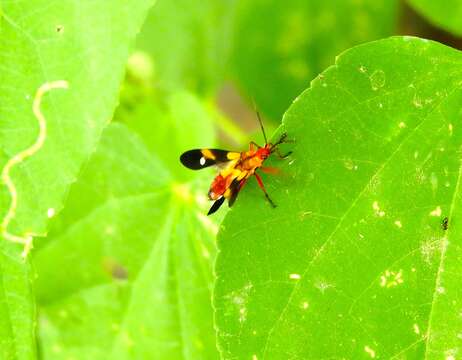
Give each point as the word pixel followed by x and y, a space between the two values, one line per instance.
pixel 444 223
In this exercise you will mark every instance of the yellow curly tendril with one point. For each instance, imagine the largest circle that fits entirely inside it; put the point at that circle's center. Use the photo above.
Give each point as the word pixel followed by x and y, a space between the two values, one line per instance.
pixel 27 238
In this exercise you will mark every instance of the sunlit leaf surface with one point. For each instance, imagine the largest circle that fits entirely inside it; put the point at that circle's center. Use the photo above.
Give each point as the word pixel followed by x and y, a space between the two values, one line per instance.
pixel 354 262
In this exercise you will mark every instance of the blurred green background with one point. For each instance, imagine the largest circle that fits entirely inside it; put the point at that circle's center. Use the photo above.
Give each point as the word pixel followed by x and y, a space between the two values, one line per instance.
pixel 237 53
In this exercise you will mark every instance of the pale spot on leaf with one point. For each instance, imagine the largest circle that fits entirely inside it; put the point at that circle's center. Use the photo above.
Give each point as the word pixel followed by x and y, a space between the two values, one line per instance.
pixel 51 212
pixel 428 249
pixel 242 314
pixel 239 300
pixel 369 351
pixel 323 286
pixel 390 278
pixel 378 211
pixel 377 80
pixel 417 102
pixel 436 211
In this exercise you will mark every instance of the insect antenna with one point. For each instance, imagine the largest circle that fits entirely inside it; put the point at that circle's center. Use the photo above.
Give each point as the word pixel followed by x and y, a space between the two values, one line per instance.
pixel 260 121
pixel 261 126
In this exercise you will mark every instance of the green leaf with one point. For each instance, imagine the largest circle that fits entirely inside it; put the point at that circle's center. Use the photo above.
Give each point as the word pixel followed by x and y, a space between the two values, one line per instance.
pixel 190 42
pixel 354 263
pixel 284 45
pixel 130 258
pixel 445 15
pixel 43 43
pixel 46 132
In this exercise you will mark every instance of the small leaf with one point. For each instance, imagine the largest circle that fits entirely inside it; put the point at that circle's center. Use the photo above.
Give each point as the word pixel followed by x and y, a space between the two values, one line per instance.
pixel 281 46
pixel 445 15
pixel 354 263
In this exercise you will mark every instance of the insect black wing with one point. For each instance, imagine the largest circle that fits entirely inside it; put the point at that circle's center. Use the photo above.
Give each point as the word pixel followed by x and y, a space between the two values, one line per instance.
pixel 201 158
pixel 216 205
pixel 234 188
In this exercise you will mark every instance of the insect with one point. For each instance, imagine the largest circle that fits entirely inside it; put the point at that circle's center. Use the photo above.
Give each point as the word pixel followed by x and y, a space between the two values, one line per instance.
pixel 445 223
pixel 236 168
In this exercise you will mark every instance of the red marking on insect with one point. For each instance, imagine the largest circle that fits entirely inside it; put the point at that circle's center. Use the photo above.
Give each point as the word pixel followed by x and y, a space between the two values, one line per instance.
pixel 238 167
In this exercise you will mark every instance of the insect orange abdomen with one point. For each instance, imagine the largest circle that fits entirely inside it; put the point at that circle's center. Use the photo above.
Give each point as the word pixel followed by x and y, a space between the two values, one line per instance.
pixel 218 187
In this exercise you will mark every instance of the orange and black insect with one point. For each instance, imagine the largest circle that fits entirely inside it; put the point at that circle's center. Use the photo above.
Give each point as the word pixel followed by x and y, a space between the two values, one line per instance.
pixel 237 168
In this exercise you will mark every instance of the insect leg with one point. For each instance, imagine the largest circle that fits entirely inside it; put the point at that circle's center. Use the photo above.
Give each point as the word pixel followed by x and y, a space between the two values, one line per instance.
pixel 280 156
pixel 261 124
pixel 242 183
pixel 282 139
pixel 270 170
pixel 254 144
pixel 260 183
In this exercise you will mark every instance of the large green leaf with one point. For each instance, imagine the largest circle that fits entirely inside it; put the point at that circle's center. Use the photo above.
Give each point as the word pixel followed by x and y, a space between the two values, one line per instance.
pixel 43 42
pixel 282 45
pixel 46 132
pixel 190 41
pixel 445 14
pixel 130 258
pixel 354 262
